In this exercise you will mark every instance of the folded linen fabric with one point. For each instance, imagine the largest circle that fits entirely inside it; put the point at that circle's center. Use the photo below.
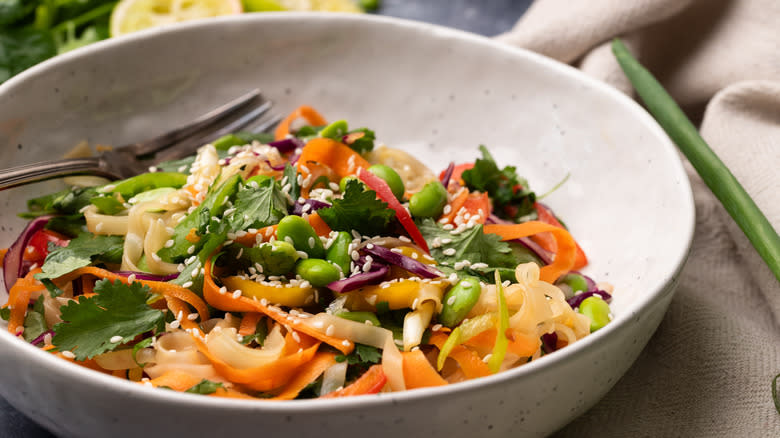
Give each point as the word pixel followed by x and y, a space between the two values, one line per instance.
pixel 707 371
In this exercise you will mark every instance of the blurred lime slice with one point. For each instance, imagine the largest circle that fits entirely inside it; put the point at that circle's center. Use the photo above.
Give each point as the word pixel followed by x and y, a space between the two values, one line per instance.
pixel 133 15
pixel 320 5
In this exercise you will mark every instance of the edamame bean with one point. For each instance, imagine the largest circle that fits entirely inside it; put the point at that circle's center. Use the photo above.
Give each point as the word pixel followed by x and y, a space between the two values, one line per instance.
pixel 338 251
pixel 597 310
pixel 344 181
pixel 574 282
pixel 430 201
pixel 361 317
pixel 459 301
pixel 297 231
pixel 391 177
pixel 318 272
pixel 335 130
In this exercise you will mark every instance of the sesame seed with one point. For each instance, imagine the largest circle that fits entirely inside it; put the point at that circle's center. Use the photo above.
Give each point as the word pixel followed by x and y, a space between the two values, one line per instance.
pixel 187 285
pixel 451 300
pixel 447 209
pixel 192 316
pixel 156 258
pixel 355 255
pixel 448 227
pixel 169 243
pixel 68 354
pixel 191 249
pixel 240 253
pixel 487 357
pixel 223 290
pixel 449 252
pixel 302 254
pixel 346 343
pixel 263 301
pixel 296 337
pixel 436 327
pixel 131 278
pixel 174 324
pixel 237 294
pixel 311 242
pixel 116 339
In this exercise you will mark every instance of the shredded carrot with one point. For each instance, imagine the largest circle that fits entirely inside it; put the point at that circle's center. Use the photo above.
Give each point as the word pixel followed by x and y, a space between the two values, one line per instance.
pixel 547 241
pixel 3 252
pixel 226 302
pixel 307 374
pixel 455 206
pixel 194 194
pixel 519 344
pixel 564 258
pixel 231 393
pixel 249 323
pixel 165 289
pixel 192 236
pixel 176 380
pixel 469 361
pixel 418 372
pixel 265 377
pixel 339 157
pixel 310 114
pixel 319 225
pixel 19 299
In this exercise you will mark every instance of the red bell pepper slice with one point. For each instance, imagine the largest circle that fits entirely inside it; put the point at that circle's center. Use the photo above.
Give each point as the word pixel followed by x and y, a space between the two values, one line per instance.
pixel 385 194
pixel 371 382
pixel 38 246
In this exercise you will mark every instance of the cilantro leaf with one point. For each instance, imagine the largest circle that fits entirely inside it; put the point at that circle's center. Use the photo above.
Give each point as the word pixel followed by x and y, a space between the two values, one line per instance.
pixel 512 199
pixel 291 173
pixel 69 202
pixel 205 386
pixel 258 207
pixel 358 210
pixel 116 310
pixel 81 251
pixel 361 355
pixel 472 245
pixel 35 321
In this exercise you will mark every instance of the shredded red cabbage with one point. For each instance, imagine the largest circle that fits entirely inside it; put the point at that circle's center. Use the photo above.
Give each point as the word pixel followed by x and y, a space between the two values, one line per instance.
pixel 147 276
pixel 13 268
pixel 287 144
pixel 39 339
pixel 549 342
pixel 576 300
pixel 445 179
pixel 313 204
pixel 408 263
pixel 356 281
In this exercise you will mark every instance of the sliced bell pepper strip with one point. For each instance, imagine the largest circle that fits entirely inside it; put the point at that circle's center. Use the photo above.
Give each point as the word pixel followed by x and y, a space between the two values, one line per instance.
pixel 339 157
pixel 38 246
pixel 566 252
pixel 399 294
pixel 418 372
pixel 226 302
pixel 547 241
pixel 290 296
pixel 384 193
pixel 310 114
pixel 371 382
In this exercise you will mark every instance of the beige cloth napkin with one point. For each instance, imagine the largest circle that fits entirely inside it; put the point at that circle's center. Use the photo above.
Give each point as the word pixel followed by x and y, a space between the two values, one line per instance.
pixel 707 371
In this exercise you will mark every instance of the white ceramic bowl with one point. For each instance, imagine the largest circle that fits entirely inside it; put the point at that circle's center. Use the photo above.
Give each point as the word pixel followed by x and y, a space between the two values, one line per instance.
pixel 435 91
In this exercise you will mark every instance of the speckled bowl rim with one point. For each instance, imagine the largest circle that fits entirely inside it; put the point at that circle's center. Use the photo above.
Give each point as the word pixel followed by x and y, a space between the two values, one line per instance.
pixel 660 288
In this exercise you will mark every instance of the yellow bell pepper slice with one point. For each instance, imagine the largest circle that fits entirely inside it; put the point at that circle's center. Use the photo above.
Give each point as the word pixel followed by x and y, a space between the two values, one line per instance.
pixel 290 296
pixel 400 294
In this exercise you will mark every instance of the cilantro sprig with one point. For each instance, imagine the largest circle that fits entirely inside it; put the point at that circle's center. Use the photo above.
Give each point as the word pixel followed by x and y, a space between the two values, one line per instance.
pixel 116 309
pixel 358 210
pixel 512 199
pixel 82 251
pixel 472 245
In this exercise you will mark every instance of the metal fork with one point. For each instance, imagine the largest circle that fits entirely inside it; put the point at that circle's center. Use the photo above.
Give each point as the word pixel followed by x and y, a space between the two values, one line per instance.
pixel 133 159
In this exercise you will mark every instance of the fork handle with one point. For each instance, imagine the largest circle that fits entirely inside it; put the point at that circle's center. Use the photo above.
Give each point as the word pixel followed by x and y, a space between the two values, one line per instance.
pixel 30 173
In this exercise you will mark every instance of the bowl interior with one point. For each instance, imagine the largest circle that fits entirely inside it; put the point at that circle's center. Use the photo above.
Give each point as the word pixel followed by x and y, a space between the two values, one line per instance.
pixel 435 92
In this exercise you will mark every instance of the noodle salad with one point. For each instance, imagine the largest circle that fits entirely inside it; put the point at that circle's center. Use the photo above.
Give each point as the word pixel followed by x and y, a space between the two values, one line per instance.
pixel 308 263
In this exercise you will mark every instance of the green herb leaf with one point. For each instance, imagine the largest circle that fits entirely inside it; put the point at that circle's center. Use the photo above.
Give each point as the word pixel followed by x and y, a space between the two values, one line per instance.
pixel 21 49
pixel 258 207
pixel 205 387
pixel 81 251
pixel 510 194
pixel 291 173
pixel 472 245
pixel 116 310
pixel 364 143
pixel 358 210
pixel 35 321
pixel 361 355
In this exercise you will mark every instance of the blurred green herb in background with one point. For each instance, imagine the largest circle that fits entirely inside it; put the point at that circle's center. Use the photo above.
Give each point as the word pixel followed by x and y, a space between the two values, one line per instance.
pixel 32 31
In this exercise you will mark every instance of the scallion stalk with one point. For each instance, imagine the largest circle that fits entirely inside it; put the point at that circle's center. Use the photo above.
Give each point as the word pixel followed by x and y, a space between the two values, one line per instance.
pixel 715 174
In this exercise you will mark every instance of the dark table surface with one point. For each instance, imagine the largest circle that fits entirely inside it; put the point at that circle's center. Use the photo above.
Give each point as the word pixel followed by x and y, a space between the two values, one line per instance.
pixel 486 17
